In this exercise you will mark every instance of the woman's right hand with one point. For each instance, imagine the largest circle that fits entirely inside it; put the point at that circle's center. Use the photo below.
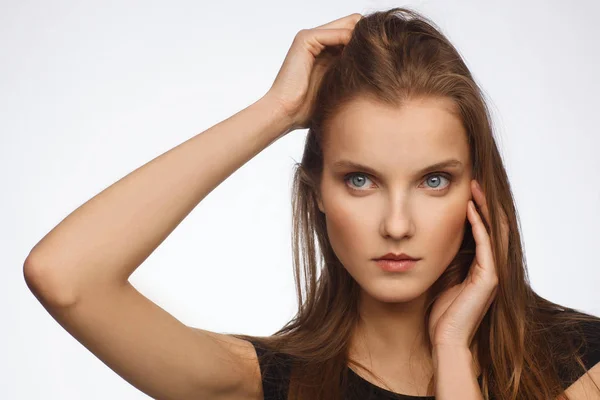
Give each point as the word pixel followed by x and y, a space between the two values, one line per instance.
pixel 299 78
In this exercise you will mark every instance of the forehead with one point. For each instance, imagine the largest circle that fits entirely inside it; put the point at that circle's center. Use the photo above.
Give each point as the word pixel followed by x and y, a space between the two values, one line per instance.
pixel 419 131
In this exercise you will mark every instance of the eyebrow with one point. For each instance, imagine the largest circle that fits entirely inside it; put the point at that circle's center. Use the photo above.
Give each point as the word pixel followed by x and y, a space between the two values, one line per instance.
pixel 354 165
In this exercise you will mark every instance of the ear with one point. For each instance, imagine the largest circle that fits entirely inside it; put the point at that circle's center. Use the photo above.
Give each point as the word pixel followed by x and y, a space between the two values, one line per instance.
pixel 320 203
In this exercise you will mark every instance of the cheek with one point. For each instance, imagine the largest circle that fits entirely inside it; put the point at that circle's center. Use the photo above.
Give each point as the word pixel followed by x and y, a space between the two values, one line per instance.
pixel 346 230
pixel 445 231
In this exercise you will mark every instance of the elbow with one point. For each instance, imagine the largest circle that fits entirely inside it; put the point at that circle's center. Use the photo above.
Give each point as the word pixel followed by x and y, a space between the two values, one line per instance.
pixel 45 285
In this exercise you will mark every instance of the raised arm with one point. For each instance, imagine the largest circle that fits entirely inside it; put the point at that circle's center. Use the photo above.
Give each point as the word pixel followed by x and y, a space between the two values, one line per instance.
pixel 102 242
pixel 80 270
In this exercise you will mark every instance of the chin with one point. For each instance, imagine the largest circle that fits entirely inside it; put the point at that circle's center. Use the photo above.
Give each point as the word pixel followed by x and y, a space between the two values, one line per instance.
pixel 394 291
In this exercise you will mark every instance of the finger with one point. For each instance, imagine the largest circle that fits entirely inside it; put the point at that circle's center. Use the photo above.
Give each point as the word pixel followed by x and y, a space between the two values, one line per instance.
pixel 483 249
pixel 345 22
pixel 317 39
pixel 479 196
pixel 484 311
pixel 490 300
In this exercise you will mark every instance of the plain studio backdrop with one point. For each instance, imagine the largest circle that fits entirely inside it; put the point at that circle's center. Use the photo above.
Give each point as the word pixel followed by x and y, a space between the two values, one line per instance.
pixel 90 92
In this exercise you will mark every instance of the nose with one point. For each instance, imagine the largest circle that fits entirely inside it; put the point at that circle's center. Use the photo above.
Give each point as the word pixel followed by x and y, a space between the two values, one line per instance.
pixel 397 221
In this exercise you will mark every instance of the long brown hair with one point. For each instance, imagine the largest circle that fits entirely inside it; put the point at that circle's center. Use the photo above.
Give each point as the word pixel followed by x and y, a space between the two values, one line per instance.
pixel 395 56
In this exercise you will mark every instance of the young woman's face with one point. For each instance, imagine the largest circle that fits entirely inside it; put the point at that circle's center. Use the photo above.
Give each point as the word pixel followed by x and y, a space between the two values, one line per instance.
pixel 395 207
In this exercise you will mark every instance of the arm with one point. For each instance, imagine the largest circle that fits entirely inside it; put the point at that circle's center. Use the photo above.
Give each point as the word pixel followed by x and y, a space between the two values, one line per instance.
pixel 79 271
pixel 455 376
pixel 102 242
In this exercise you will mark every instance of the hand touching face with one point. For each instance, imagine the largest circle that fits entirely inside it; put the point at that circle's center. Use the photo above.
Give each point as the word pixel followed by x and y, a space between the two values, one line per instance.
pixel 459 310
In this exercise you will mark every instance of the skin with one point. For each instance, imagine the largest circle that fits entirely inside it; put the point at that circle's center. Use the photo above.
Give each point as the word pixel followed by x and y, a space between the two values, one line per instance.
pixel 396 209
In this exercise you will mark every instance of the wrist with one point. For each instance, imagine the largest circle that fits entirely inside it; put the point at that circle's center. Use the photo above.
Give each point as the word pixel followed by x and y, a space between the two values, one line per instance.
pixel 459 354
pixel 455 373
pixel 281 112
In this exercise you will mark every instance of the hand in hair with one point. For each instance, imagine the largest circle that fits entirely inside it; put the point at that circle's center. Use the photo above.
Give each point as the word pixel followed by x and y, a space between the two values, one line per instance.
pixel 309 56
pixel 457 313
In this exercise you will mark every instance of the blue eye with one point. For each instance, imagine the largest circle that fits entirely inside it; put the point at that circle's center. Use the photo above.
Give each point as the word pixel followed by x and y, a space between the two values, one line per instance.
pixel 431 178
pixel 435 178
pixel 353 175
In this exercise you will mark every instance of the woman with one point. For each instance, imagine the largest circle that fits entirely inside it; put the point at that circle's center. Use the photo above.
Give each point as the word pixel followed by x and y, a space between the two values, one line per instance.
pixel 400 158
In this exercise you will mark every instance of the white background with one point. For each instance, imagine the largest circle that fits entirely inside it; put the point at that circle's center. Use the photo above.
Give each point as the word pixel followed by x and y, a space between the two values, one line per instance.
pixel 91 91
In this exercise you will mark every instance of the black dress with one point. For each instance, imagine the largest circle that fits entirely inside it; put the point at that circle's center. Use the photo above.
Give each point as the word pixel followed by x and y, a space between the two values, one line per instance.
pixel 276 375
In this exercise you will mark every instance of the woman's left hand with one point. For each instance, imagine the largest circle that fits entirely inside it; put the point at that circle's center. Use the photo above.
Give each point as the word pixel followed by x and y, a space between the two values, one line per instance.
pixel 459 310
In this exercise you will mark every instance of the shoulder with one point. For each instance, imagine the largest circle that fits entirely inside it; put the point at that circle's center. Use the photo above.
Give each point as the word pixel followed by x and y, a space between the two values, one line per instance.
pixel 586 386
pixel 591 332
pixel 588 343
pixel 570 330
pixel 242 361
pixel 588 340
pixel 275 370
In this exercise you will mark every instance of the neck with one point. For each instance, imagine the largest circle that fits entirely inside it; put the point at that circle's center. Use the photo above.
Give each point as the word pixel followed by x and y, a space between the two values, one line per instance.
pixel 389 332
pixel 390 337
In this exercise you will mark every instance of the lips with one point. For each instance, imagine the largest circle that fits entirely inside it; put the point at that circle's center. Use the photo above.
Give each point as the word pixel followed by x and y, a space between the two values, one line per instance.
pixel 397 257
pixel 396 265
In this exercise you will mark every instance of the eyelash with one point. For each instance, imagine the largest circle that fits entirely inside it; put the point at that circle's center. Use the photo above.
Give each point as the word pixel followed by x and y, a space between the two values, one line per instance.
pixel 446 175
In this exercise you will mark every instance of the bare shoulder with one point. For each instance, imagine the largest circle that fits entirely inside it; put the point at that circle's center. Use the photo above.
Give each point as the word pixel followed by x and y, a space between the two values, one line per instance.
pixel 242 358
pixel 241 349
pixel 585 387
pixel 153 350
